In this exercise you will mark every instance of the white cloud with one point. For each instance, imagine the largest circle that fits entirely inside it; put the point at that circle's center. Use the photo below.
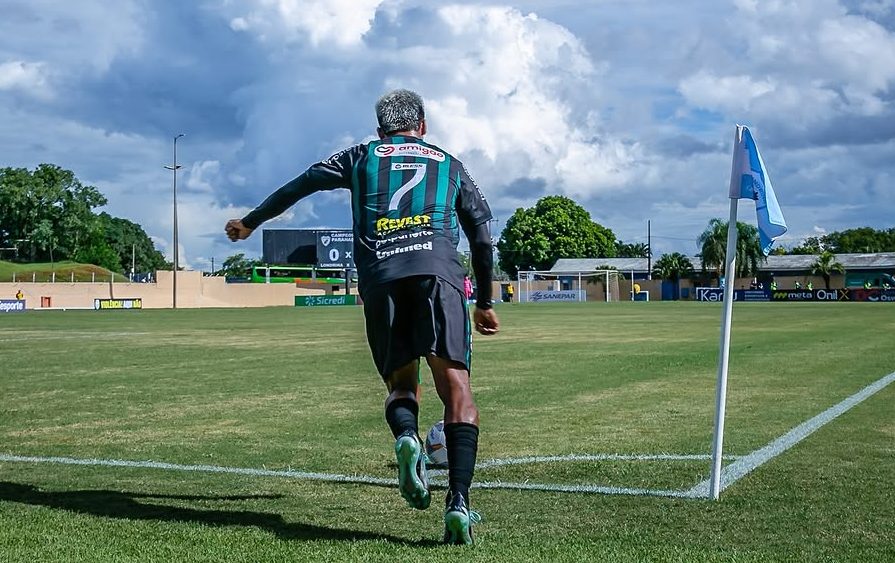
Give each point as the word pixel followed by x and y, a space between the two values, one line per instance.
pixel 807 61
pixel 73 35
pixel 322 22
pixel 29 78
pixel 625 105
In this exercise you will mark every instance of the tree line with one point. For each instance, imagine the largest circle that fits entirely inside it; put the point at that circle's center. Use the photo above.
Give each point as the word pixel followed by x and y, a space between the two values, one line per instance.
pixel 557 227
pixel 48 215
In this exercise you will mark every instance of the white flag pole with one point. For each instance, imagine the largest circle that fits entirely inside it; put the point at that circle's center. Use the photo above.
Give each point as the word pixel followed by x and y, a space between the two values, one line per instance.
pixel 726 317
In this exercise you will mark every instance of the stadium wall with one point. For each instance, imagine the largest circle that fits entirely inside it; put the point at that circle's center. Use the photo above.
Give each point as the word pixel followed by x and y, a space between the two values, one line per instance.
pixel 193 291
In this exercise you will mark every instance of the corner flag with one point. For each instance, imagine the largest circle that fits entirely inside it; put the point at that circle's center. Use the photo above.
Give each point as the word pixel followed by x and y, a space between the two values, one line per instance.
pixel 749 180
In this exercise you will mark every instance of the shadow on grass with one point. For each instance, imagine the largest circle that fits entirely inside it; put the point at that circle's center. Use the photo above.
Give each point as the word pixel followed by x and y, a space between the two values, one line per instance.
pixel 124 505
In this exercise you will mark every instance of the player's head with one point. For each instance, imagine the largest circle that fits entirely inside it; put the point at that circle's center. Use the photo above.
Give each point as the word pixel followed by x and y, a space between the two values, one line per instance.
pixel 400 111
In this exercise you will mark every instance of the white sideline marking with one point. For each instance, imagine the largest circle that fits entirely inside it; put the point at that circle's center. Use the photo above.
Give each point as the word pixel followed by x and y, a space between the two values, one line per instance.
pixel 735 471
pixel 730 474
pixel 369 480
pixel 590 457
pixel 311 476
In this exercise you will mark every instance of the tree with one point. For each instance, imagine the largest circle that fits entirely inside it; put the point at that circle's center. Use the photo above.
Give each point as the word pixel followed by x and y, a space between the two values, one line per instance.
pixel 713 242
pixel 52 210
pixel 811 245
pixel 131 245
pixel 633 250
pixel 860 240
pixel 48 207
pixel 238 265
pixel 556 227
pixel 825 265
pixel 673 267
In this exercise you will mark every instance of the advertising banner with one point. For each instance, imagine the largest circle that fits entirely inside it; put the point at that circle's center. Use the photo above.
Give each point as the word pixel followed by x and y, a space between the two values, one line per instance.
pixel 873 295
pixel 109 304
pixel 545 295
pixel 717 294
pixel 325 300
pixel 798 295
pixel 809 295
pixel 12 305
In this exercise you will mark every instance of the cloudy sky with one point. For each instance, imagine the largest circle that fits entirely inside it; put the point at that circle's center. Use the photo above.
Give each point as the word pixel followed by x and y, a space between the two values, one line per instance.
pixel 626 106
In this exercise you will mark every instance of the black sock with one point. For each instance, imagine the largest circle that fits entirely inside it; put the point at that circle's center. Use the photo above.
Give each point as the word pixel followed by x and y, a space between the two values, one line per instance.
pixel 462 441
pixel 401 415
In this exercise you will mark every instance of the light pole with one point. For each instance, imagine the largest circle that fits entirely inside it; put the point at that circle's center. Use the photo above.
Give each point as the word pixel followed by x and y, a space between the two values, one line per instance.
pixel 174 169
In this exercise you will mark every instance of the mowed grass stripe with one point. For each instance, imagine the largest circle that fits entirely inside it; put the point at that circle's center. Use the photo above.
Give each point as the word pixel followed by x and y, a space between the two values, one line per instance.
pixel 282 388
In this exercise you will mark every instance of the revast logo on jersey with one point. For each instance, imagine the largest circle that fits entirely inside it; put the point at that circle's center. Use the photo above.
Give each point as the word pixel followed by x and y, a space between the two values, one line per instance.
pixel 408 149
pixel 384 225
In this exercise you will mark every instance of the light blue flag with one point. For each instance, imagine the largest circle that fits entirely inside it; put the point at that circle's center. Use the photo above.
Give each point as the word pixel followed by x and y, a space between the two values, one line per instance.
pixel 749 180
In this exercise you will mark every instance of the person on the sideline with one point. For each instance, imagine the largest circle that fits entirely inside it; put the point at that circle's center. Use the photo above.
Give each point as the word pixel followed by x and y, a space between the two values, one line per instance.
pixel 467 287
pixel 408 197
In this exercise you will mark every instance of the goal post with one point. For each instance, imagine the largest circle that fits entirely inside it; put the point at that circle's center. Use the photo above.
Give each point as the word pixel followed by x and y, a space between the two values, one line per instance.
pixel 571 286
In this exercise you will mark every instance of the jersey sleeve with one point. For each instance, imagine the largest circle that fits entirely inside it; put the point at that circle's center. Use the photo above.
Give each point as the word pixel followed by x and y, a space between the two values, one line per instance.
pixel 472 208
pixel 329 174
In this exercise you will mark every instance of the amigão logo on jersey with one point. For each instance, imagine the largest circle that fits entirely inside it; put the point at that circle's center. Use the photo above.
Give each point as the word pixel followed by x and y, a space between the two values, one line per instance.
pixel 409 149
pixel 384 225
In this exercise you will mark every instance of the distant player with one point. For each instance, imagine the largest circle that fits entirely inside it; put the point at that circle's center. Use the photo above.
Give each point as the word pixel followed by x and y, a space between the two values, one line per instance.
pixel 408 200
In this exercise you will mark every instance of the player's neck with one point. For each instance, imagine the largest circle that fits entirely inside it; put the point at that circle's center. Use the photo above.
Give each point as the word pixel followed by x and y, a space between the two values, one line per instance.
pixel 412 133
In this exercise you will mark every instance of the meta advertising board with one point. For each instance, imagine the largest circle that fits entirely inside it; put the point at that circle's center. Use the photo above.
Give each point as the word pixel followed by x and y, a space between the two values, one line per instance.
pixel 798 295
pixel 12 305
pixel 324 300
pixel 335 249
pixel 117 304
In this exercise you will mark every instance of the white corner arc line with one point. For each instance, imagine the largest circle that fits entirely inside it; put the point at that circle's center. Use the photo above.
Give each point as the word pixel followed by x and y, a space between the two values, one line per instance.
pixel 735 471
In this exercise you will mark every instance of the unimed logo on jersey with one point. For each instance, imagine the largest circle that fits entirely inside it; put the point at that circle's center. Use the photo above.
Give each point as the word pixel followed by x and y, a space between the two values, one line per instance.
pixel 409 149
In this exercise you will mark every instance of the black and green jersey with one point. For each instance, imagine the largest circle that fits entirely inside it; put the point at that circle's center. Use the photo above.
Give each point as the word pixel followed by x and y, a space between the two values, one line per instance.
pixel 409 200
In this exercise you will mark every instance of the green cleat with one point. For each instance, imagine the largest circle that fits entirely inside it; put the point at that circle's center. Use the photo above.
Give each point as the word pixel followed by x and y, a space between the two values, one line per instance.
pixel 458 520
pixel 412 479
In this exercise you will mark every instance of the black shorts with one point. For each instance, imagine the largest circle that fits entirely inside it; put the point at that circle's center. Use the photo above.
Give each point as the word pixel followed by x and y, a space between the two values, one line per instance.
pixel 416 316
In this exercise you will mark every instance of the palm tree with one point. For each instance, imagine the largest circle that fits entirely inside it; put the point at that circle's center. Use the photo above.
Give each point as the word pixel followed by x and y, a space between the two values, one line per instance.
pixel 713 244
pixel 632 250
pixel 825 265
pixel 673 267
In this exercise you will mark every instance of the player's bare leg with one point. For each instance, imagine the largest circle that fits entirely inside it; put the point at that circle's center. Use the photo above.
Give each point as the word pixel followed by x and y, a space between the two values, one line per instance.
pixel 401 413
pixel 461 432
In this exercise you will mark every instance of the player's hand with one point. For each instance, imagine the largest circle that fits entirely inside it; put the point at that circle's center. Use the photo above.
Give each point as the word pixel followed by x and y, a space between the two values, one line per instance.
pixel 236 230
pixel 485 321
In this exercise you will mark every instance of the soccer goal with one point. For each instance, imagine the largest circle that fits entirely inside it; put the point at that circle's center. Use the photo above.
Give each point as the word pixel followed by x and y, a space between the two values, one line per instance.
pixel 551 285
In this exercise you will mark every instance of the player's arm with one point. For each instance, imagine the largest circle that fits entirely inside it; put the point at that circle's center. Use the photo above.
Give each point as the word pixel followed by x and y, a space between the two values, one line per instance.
pixel 329 174
pixel 474 215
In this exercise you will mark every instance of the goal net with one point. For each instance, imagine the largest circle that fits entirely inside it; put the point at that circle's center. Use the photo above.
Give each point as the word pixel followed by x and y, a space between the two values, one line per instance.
pixel 551 285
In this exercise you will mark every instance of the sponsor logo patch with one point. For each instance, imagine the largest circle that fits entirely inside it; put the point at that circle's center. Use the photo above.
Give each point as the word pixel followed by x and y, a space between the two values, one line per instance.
pixel 380 254
pixel 409 149
pixel 384 225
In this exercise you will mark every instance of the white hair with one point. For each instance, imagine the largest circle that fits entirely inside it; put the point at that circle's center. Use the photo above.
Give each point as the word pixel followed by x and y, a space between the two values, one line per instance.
pixel 399 110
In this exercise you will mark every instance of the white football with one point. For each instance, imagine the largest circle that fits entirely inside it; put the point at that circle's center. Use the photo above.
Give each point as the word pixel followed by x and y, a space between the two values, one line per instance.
pixel 436 448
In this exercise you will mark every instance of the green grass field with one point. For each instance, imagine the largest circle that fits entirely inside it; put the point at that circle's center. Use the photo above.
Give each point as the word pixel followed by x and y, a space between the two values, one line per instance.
pixel 42 272
pixel 295 389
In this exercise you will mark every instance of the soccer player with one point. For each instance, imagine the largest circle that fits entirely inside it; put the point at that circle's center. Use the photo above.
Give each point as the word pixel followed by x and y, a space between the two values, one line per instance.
pixel 408 199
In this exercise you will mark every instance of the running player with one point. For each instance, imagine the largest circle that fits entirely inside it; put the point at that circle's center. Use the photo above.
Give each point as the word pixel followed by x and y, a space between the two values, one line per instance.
pixel 409 199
